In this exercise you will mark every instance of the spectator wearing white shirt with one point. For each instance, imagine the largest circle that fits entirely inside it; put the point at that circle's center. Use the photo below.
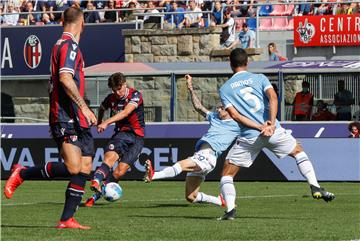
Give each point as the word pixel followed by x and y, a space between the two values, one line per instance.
pixel 192 17
pixel 151 5
pixel 11 19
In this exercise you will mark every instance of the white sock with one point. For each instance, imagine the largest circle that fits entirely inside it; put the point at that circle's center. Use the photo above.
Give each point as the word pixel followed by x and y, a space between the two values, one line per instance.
pixel 202 197
pixel 228 191
pixel 168 172
pixel 306 168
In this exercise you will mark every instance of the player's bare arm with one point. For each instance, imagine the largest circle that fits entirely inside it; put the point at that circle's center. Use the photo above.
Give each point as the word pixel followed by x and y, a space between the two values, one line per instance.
pixel 243 120
pixel 101 112
pixel 119 116
pixel 194 99
pixel 273 107
pixel 67 81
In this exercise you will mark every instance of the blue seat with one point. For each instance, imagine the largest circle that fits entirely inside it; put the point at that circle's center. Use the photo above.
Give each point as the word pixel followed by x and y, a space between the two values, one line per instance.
pixel 265 10
pixel 251 22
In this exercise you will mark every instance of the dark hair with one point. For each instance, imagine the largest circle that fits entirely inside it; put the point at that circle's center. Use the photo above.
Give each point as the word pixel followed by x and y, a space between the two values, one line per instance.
pixel 72 15
pixel 238 58
pixel 244 25
pixel 305 84
pixel 271 44
pixel 356 124
pixel 116 80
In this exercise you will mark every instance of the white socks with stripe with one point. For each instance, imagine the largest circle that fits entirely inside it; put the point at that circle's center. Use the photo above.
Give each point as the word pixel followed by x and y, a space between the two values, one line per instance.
pixel 306 168
pixel 228 192
pixel 202 197
pixel 168 172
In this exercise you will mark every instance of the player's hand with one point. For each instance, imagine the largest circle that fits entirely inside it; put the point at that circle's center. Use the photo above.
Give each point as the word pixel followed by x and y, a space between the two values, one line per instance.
pixel 89 115
pixel 268 129
pixel 189 82
pixel 102 127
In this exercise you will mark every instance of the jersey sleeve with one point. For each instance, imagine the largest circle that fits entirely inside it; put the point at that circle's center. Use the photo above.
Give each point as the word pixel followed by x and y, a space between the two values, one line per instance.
pixel 106 104
pixel 67 57
pixel 209 115
pixel 224 100
pixel 136 98
pixel 265 83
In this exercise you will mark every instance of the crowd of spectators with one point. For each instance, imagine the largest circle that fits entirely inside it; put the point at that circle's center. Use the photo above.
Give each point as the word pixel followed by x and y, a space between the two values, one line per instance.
pixel 187 11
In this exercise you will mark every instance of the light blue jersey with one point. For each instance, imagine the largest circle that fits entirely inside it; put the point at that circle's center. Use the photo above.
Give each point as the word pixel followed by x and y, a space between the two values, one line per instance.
pixel 246 92
pixel 220 134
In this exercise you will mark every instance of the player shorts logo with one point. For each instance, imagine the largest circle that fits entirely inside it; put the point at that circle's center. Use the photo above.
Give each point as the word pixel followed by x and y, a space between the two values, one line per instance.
pixel 73 138
pixel 306 31
pixel 32 51
pixel 111 146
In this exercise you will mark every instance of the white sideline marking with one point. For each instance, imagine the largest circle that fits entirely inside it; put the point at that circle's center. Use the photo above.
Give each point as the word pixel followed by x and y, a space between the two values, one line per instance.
pixel 173 199
pixel 10 136
pixel 320 131
pixel 3 135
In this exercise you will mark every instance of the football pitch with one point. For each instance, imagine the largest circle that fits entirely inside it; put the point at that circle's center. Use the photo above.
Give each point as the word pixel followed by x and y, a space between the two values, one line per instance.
pixel 158 211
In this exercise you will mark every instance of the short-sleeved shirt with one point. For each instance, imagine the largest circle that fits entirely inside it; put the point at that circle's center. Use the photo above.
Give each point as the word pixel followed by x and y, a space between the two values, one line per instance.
pixel 135 121
pixel 245 91
pixel 245 38
pixel 220 134
pixel 343 96
pixel 66 57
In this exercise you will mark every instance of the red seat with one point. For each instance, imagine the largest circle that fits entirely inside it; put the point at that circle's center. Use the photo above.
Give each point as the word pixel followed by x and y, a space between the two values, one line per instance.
pixel 239 22
pixel 39 24
pixel 278 10
pixel 289 10
pixel 265 24
pixel 280 23
pixel 290 25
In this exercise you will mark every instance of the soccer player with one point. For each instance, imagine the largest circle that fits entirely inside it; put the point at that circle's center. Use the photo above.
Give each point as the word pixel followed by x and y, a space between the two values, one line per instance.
pixel 127 111
pixel 70 120
pixel 253 96
pixel 222 132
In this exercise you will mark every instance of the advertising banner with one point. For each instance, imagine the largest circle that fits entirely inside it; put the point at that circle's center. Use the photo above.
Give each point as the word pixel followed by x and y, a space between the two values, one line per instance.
pixel 26 50
pixel 327 30
pixel 334 159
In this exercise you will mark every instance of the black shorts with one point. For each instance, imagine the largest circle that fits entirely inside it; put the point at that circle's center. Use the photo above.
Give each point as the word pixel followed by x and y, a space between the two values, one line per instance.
pixel 127 145
pixel 80 137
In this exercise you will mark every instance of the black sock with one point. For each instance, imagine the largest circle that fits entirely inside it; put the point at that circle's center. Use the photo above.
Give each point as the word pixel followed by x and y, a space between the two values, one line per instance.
pixel 111 178
pixel 48 171
pixel 73 195
pixel 102 172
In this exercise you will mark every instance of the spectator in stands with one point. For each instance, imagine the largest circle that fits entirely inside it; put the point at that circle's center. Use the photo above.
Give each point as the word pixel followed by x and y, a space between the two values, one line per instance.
pixel 1 14
pixel 128 15
pixel 110 16
pixel 46 19
pixel 354 128
pixel 29 18
pixel 217 14
pixel 47 6
pixel 11 19
pixel 193 19
pixel 303 9
pixel 152 9
pixel 100 5
pixel 246 37
pixel 227 37
pixel 179 19
pixel 91 16
pixel 322 113
pixel 322 8
pixel 354 8
pixel 303 103
pixel 265 10
pixel 274 54
pixel 60 5
pixel 343 100
pixel 356 115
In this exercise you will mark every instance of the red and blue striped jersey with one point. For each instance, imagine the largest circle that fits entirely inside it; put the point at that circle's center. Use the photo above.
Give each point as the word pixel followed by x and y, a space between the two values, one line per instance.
pixel 134 122
pixel 66 57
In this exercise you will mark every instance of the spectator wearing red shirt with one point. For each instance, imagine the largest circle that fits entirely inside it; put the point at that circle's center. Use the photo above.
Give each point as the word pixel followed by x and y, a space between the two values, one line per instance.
pixel 322 113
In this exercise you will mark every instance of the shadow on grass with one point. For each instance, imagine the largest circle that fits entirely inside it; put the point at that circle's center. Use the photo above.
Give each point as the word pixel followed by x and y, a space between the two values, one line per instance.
pixel 26 226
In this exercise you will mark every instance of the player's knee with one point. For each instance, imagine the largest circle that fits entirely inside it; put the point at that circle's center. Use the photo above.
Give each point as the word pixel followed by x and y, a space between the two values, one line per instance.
pixel 119 172
pixel 298 149
pixel 74 170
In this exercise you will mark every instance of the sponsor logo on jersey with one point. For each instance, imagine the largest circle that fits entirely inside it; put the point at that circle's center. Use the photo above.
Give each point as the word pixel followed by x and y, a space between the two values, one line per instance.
pixel 32 51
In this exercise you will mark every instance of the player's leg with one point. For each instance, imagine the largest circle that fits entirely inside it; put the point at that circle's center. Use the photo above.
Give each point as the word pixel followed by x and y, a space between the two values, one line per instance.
pixel 227 187
pixel 103 171
pixel 193 195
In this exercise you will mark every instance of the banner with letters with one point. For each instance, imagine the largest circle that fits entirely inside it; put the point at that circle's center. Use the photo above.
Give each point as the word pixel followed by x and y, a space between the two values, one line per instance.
pixel 335 157
pixel 26 50
pixel 327 30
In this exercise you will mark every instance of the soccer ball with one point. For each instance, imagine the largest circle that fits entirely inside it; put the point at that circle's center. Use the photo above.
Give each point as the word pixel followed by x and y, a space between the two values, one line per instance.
pixel 112 192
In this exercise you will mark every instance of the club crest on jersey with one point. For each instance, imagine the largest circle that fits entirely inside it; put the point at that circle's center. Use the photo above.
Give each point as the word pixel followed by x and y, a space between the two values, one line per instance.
pixel 111 146
pixel 32 51
pixel 73 138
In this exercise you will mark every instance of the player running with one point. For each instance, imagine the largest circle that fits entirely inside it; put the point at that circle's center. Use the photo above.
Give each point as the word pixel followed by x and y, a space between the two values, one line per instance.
pixel 70 120
pixel 222 132
pixel 253 96
pixel 127 111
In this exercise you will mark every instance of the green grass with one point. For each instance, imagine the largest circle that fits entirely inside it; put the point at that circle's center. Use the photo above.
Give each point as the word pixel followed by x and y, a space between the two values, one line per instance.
pixel 158 211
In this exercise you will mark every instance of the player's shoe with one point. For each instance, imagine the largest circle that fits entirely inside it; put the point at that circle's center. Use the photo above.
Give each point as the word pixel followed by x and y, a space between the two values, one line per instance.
pixel 229 215
pixel 71 223
pixel 95 186
pixel 91 201
pixel 320 193
pixel 14 181
pixel 223 203
pixel 149 173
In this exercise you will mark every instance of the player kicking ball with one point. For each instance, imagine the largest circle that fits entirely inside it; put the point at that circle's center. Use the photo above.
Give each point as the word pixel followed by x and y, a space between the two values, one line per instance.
pixel 253 96
pixel 222 132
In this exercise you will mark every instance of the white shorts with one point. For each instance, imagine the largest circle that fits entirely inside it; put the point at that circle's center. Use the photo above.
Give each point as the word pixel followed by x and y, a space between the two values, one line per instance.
pixel 206 160
pixel 244 151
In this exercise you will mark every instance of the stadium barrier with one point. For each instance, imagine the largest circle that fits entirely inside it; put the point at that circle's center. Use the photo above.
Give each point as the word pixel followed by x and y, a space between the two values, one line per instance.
pixel 335 157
